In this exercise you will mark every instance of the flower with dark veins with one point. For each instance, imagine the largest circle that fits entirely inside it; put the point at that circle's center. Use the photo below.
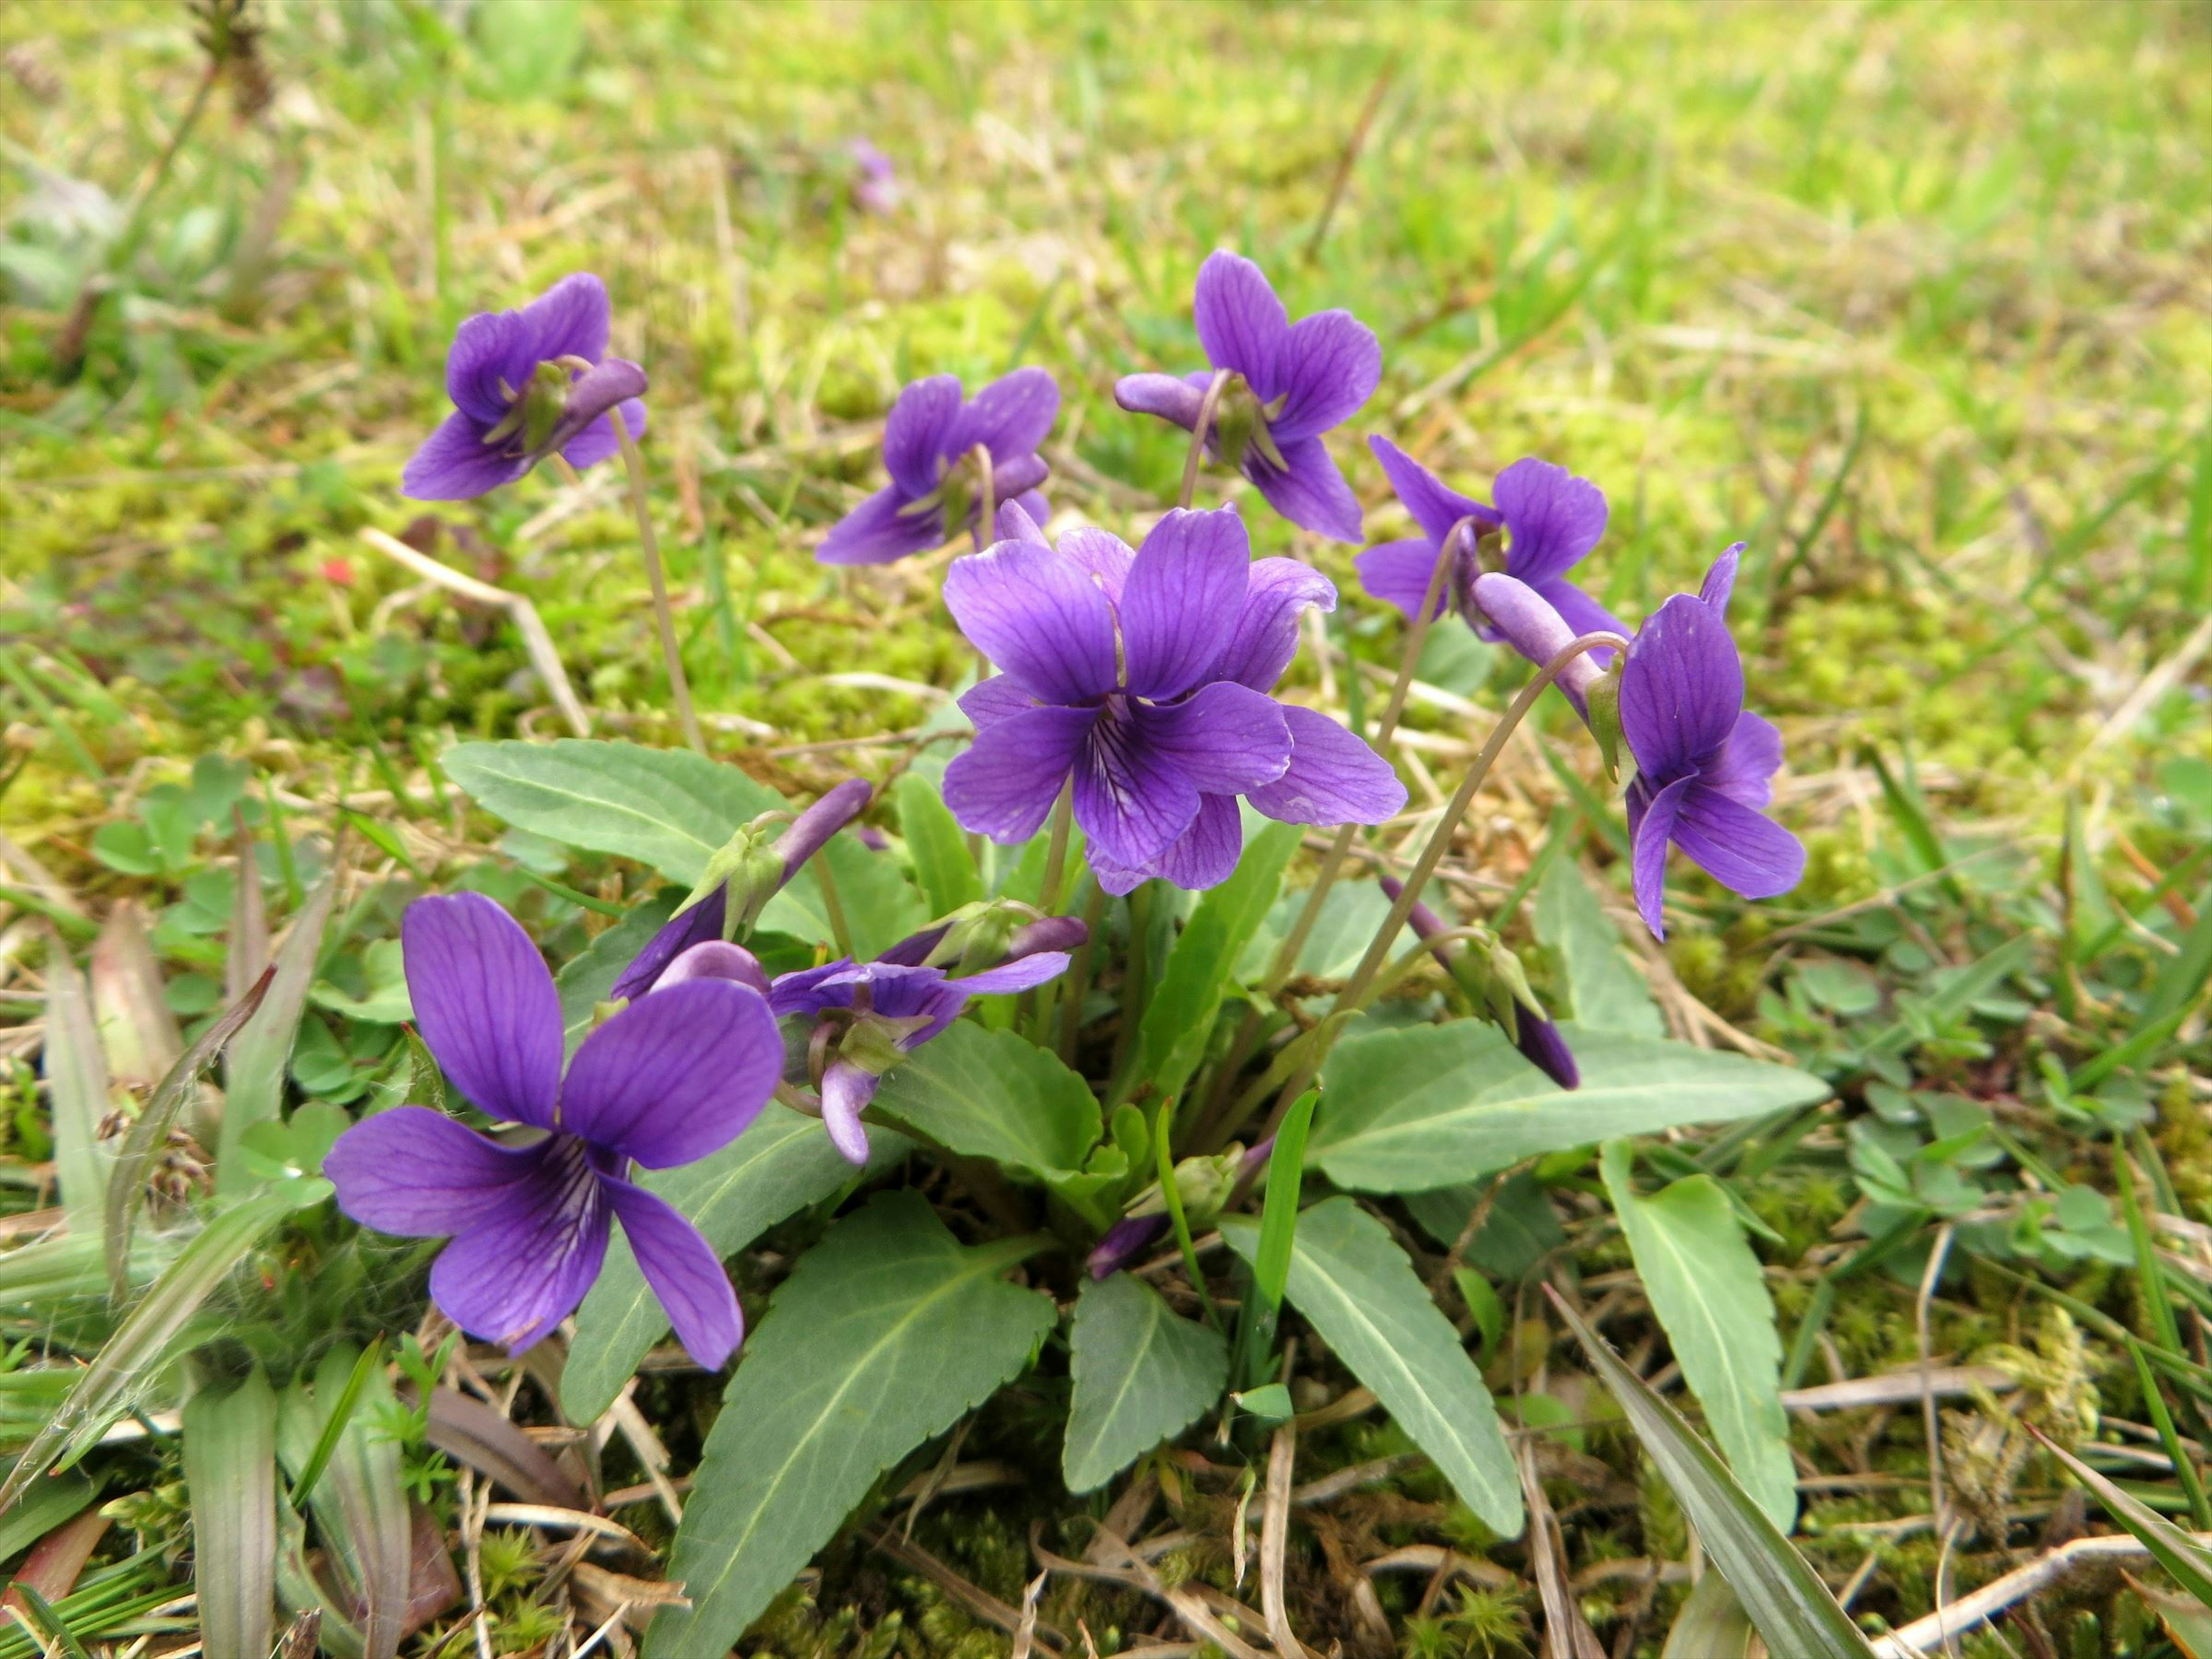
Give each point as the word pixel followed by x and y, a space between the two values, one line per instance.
pixel 1551 519
pixel 1704 764
pixel 931 442
pixel 663 1083
pixel 1286 385
pixel 1145 677
pixel 526 385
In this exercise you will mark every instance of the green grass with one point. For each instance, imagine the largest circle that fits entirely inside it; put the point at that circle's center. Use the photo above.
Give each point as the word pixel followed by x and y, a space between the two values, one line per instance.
pixel 1911 298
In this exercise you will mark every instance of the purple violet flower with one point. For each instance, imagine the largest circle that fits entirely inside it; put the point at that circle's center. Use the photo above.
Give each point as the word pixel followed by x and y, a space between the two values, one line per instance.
pixel 876 187
pixel 1552 519
pixel 1145 676
pixel 661 1084
pixel 525 384
pixel 1705 764
pixel 1289 383
pixel 1534 1035
pixel 871 1015
pixel 929 444
pixel 764 873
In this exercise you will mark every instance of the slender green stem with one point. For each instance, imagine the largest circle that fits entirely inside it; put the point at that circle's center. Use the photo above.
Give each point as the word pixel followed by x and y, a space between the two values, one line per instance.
pixel 1173 1197
pixel 1417 636
pixel 986 516
pixel 832 905
pixel 1134 972
pixel 1056 856
pixel 1078 974
pixel 1354 996
pixel 649 544
pixel 1198 432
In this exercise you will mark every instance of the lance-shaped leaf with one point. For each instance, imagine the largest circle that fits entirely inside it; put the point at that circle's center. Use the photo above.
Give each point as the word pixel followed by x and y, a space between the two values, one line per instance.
pixel 942 861
pixel 884 1334
pixel 1712 1625
pixel 140 1347
pixel 258 1056
pixel 1605 989
pixel 2186 1558
pixel 668 808
pixel 778 1167
pixel 359 1505
pixel 149 1134
pixel 230 1469
pixel 1179 1015
pixel 138 1031
pixel 1424 1106
pixel 49 1504
pixel 76 1092
pixel 1710 1294
pixel 1356 1288
pixel 993 1094
pixel 1785 1597
pixel 1143 1374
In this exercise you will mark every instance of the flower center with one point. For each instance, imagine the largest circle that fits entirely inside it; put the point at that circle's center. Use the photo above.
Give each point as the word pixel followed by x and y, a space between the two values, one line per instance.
pixel 535 410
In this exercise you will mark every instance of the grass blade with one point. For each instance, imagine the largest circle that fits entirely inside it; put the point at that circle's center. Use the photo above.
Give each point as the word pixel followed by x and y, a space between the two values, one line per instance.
pixel 76 1084
pixel 341 1414
pixel 1786 1598
pixel 126 1184
pixel 2174 1549
pixel 254 1073
pixel 2192 1484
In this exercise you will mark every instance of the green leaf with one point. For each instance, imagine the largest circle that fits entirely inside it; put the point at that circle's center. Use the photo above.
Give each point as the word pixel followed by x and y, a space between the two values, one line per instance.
pixel 1958 993
pixel 1179 1016
pixel 360 1503
pixel 1521 1229
pixel 526 48
pixel 77 1077
pixel 884 1334
pixel 2189 1561
pixel 140 1347
pixel 1427 1106
pixel 994 1094
pixel 230 1469
pixel 47 1505
pixel 2188 1626
pixel 780 1166
pixel 1785 1597
pixel 1355 1286
pixel 261 1054
pixel 1712 1624
pixel 668 808
pixel 1710 1294
pixel 1605 988
pixel 942 862
pixel 584 980
pixel 1143 1374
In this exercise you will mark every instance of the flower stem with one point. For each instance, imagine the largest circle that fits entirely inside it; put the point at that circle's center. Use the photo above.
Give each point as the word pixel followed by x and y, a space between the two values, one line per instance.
pixel 1173 1196
pixel 1204 425
pixel 1056 856
pixel 649 544
pixel 1417 636
pixel 1078 974
pixel 1354 995
pixel 832 905
pixel 987 502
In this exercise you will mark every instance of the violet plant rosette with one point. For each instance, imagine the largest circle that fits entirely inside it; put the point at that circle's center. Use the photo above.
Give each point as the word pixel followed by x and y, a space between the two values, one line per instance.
pixel 1704 764
pixel 528 384
pixel 935 492
pixel 1550 518
pixel 1288 384
pixel 665 1082
pixel 1145 678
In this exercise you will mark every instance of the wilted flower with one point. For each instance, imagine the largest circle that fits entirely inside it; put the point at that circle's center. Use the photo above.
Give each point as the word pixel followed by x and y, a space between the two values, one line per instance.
pixel 525 384
pixel 757 868
pixel 1288 384
pixel 1145 676
pixel 1705 764
pixel 871 1015
pixel 663 1083
pixel 1498 984
pixel 930 442
pixel 1552 519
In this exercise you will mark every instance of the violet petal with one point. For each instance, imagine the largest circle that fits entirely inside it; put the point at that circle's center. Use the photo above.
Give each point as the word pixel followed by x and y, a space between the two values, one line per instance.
pixel 1311 493
pixel 1333 776
pixel 916 431
pixel 878 532
pixel 1241 322
pixel 1010 417
pixel 485 1004
pixel 418 1173
pixel 455 464
pixel 1004 783
pixel 675 1075
pixel 1681 690
pixel 1226 738
pixel 1180 605
pixel 1276 593
pixel 1326 368
pixel 1553 518
pixel 684 1271
pixel 1037 615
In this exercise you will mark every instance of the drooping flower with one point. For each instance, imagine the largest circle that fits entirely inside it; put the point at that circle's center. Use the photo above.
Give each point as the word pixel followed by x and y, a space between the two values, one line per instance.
pixel 930 442
pixel 661 1084
pixel 1704 764
pixel 1203 1183
pixel 870 1016
pixel 1494 982
pixel 1528 622
pixel 1146 676
pixel 1288 384
pixel 1552 519
pixel 759 868
pixel 525 385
